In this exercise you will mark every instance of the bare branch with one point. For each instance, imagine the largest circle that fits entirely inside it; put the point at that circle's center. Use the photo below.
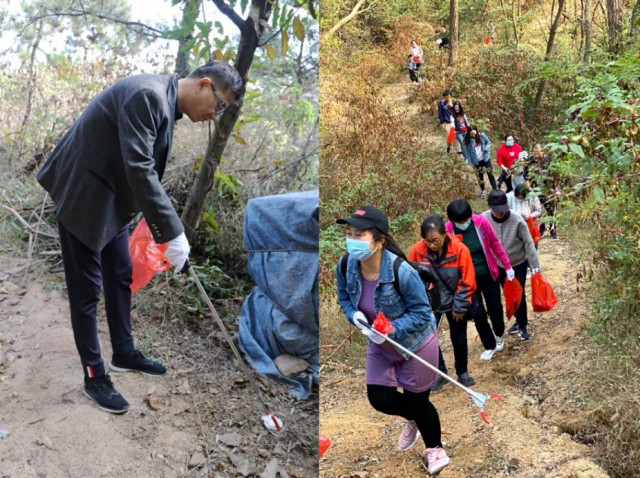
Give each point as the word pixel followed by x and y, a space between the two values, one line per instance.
pixel 354 13
pixel 231 14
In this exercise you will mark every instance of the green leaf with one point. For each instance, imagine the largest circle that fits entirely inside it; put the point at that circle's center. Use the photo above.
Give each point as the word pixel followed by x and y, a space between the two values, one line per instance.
pixel 283 17
pixel 576 149
pixel 243 5
pixel 218 55
pixel 298 29
pixel 598 194
pixel 238 138
pixel 285 43
pixel 271 52
pixel 219 27
pixel 275 14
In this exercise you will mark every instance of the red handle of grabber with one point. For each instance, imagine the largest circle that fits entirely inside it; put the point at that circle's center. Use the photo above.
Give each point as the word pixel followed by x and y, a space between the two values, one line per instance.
pixel 273 419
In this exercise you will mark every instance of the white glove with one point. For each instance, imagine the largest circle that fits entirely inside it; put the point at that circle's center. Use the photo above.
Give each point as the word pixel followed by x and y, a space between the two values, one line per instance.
pixel 371 335
pixel 535 270
pixel 177 251
pixel 510 274
pixel 523 155
pixel 357 317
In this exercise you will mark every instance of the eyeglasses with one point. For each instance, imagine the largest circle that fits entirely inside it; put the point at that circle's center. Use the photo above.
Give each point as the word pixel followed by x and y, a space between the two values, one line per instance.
pixel 221 104
pixel 435 241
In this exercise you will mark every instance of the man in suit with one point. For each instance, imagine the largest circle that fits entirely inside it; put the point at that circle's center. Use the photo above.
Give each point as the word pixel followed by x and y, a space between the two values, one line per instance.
pixel 105 170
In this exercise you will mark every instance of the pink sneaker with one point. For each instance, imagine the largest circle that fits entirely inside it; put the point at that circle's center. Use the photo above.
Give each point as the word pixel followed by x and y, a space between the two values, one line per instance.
pixel 435 459
pixel 409 436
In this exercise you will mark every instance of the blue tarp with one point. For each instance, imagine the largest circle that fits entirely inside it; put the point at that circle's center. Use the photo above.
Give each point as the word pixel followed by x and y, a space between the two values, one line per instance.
pixel 280 315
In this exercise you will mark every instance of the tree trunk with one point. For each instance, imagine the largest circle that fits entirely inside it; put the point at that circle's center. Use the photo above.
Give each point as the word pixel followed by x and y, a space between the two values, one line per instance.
pixel 190 11
pixel 32 74
pixel 586 26
pixel 547 55
pixel 453 33
pixel 251 31
pixel 356 10
pixel 514 22
pixel 633 27
pixel 614 20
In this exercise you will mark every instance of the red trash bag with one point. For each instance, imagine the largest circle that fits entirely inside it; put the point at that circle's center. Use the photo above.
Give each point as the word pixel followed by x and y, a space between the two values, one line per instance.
pixel 382 324
pixel 451 136
pixel 512 296
pixel 486 40
pixel 543 298
pixel 534 229
pixel 147 257
pixel 324 444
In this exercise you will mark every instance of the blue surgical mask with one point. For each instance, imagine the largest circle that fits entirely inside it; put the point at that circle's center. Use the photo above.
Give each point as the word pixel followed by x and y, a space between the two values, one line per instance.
pixel 509 143
pixel 359 249
pixel 464 226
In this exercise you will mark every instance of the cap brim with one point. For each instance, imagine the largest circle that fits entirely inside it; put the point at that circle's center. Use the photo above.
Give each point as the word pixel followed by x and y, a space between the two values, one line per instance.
pixel 357 222
pixel 500 208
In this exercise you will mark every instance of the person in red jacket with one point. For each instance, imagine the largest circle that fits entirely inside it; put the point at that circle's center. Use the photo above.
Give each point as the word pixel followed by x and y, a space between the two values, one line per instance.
pixel 448 264
pixel 506 155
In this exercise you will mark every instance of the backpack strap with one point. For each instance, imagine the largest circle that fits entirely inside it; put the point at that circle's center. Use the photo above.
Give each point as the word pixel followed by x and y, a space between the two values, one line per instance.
pixel 396 269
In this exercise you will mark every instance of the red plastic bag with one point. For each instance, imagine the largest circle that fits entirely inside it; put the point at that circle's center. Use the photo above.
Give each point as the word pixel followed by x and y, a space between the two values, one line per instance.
pixel 534 229
pixel 512 296
pixel 147 257
pixel 324 444
pixel 382 324
pixel 451 136
pixel 542 296
pixel 487 40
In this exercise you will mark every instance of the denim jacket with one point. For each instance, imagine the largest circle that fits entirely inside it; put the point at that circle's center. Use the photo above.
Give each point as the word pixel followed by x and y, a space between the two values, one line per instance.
pixel 409 313
pixel 470 150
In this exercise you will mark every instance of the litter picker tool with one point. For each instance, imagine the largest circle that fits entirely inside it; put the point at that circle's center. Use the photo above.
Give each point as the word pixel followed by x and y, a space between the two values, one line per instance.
pixel 270 421
pixel 480 399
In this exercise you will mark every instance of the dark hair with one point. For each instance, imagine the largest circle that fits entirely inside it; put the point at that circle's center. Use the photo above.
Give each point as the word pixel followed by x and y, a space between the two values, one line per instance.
pixel 521 190
pixel 446 93
pixel 222 74
pixel 468 138
pixel 409 55
pixel 431 223
pixel 506 135
pixel 459 210
pixel 460 105
pixel 389 242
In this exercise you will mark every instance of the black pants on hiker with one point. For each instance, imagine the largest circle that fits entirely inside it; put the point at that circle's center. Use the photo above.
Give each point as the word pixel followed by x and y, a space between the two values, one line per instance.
pixel 413 75
pixel 481 169
pixel 410 406
pixel 86 272
pixel 521 276
pixel 503 178
pixel 458 334
pixel 488 289
pixel 549 203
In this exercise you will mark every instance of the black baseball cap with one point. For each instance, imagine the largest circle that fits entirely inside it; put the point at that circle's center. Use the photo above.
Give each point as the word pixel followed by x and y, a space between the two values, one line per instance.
pixel 498 201
pixel 367 217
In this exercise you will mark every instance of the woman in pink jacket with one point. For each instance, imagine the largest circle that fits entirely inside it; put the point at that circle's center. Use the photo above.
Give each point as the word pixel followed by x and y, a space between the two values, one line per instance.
pixel 481 240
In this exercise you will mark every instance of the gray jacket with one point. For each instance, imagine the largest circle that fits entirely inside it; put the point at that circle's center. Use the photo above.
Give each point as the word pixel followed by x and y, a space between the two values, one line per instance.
pixel 108 166
pixel 515 239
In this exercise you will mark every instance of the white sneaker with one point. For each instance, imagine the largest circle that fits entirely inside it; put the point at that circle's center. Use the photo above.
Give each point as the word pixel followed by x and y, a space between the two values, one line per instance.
pixel 487 355
pixel 499 343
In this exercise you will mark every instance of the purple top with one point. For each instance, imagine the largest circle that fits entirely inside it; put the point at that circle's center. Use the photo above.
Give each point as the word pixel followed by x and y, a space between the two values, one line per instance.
pixel 366 299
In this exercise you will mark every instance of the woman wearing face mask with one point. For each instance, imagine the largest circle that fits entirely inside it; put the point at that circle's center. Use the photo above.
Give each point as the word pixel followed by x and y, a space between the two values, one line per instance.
pixel 507 154
pixel 367 286
pixel 448 262
pixel 477 148
pixel 513 233
pixel 481 240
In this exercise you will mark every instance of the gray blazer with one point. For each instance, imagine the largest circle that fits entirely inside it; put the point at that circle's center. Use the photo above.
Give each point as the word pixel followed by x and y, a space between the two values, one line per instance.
pixel 108 166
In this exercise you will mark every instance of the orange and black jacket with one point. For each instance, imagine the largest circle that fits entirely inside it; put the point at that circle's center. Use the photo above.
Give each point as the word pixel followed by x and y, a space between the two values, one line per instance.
pixel 455 267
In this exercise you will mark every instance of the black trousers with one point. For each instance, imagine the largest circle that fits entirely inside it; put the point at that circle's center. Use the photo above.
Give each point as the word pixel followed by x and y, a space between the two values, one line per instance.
pixel 503 178
pixel 521 276
pixel 481 169
pixel 488 289
pixel 410 406
pixel 86 272
pixel 458 334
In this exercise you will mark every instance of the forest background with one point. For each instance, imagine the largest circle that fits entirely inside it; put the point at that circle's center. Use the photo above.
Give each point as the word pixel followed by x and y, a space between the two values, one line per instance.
pixel 565 73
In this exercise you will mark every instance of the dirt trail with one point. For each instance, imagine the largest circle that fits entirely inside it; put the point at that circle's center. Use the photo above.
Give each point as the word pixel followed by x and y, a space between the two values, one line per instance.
pixel 538 429
pixel 203 406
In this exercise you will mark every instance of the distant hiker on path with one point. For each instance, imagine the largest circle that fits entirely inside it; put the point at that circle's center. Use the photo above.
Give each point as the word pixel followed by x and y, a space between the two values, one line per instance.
pixel 461 124
pixel 449 265
pixel 441 38
pixel 412 68
pixel 105 170
pixel 513 233
pixel 506 156
pixel 539 175
pixel 445 112
pixel 416 54
pixel 376 279
pixel 478 153
pixel 486 250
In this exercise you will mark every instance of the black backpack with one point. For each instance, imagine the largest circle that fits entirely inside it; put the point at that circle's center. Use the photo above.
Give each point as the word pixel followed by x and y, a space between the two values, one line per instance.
pixel 396 268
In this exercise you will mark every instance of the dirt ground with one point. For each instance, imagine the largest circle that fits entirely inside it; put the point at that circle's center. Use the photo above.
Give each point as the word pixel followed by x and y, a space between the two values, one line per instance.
pixel 542 429
pixel 200 420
